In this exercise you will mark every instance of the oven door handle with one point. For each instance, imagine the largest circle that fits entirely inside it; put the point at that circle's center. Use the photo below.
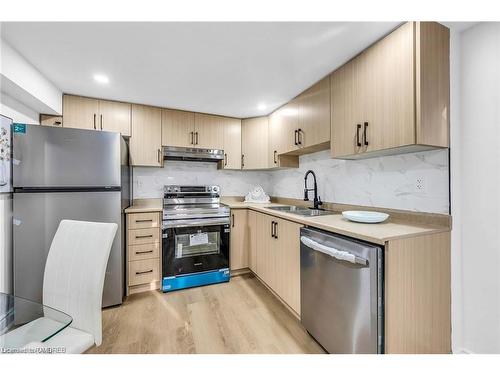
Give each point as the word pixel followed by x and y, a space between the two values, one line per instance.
pixel 184 223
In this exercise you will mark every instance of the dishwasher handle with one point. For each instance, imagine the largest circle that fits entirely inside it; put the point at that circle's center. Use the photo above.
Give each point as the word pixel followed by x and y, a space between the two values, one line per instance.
pixel 331 251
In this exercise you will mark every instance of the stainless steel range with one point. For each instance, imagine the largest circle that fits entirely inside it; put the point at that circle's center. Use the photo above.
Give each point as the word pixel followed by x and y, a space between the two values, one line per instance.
pixel 195 231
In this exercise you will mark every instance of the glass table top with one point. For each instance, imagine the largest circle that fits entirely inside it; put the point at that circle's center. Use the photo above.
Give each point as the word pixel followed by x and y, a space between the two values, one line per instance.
pixel 23 322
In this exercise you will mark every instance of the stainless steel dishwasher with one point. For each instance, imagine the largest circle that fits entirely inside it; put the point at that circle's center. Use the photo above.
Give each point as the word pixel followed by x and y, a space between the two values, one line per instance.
pixel 341 292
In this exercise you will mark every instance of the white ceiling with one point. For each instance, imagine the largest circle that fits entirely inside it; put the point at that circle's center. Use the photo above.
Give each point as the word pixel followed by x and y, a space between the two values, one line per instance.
pixel 221 68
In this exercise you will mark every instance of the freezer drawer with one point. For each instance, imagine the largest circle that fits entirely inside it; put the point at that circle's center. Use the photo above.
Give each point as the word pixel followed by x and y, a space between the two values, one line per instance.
pixel 341 292
pixel 36 218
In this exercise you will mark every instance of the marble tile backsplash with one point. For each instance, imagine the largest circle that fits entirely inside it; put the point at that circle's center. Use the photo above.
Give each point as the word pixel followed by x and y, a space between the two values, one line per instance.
pixel 388 181
pixel 148 182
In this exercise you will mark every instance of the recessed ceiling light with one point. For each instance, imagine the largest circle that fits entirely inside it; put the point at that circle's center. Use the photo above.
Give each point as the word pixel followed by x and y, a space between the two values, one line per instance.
pixel 101 78
pixel 261 107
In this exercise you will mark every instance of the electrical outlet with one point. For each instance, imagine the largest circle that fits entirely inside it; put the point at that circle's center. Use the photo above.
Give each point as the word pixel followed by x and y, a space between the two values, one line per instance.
pixel 420 185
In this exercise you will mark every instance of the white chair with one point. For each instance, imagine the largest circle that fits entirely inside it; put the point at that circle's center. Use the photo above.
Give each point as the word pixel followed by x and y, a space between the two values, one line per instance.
pixel 73 283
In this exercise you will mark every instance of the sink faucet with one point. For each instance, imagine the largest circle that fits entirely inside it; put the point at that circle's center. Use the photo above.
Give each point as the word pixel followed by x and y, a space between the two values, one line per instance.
pixel 317 200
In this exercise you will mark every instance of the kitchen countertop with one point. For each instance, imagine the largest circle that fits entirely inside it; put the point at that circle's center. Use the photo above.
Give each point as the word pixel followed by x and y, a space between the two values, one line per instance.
pixel 376 233
pixel 145 205
pixel 380 233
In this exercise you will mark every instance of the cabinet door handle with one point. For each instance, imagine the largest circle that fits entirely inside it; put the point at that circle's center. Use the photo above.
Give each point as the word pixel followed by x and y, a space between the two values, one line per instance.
pixel 225 160
pixel 159 156
pixel 299 141
pixel 196 138
pixel 143 252
pixel 144 221
pixel 143 272
pixel 94 122
pixel 232 217
pixel 276 229
pixel 358 143
pixel 101 122
pixel 272 229
pixel 364 133
pixel 146 236
pixel 192 138
pixel 242 160
pixel 295 138
pixel 274 157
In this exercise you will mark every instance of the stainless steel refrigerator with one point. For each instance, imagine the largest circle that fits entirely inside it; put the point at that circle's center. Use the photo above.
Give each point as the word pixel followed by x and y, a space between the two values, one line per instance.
pixel 63 173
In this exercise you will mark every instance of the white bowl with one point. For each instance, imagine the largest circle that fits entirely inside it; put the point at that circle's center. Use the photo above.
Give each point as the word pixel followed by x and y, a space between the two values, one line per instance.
pixel 365 216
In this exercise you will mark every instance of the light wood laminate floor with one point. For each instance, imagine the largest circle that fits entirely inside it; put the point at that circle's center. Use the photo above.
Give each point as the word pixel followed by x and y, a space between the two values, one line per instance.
pixel 241 316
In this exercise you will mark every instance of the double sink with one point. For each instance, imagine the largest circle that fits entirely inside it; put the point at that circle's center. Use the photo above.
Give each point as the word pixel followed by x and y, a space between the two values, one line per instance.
pixel 301 211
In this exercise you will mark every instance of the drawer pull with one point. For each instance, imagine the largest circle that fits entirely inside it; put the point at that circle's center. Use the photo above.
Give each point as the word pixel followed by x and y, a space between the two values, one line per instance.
pixel 143 272
pixel 145 236
pixel 144 221
pixel 144 252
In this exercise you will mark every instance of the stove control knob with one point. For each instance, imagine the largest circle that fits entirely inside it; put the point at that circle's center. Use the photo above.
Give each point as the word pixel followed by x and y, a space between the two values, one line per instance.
pixel 215 189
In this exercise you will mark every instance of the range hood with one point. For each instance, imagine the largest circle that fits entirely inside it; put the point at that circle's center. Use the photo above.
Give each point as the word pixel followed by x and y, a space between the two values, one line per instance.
pixel 192 154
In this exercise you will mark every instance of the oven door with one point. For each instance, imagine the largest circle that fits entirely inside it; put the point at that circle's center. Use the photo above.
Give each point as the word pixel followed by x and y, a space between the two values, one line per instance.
pixel 195 245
